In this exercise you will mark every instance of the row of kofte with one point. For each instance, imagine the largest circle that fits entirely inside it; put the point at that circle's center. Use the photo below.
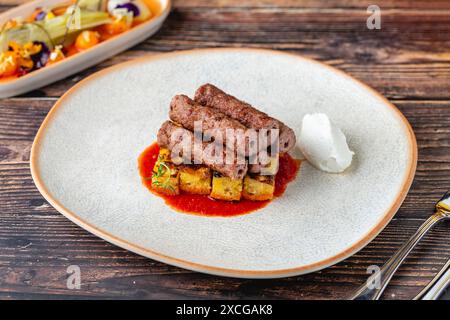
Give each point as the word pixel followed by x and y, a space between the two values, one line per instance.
pixel 217 111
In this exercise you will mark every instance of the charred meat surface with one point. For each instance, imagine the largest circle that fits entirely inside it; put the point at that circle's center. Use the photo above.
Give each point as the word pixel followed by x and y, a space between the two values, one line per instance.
pixel 176 138
pixel 205 163
pixel 211 96
pixel 215 125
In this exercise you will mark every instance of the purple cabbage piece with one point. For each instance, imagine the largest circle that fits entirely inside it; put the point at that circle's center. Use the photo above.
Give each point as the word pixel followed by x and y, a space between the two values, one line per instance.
pixel 40 16
pixel 130 7
pixel 40 59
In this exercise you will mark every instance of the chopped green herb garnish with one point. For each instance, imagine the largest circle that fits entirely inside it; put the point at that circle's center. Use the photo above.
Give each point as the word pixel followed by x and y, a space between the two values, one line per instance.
pixel 162 169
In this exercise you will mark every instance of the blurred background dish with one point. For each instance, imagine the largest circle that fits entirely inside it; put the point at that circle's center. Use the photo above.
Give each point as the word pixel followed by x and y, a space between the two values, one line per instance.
pixel 47 40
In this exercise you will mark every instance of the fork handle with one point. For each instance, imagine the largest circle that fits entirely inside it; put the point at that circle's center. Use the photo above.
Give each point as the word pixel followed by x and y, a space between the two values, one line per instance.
pixel 436 286
pixel 370 292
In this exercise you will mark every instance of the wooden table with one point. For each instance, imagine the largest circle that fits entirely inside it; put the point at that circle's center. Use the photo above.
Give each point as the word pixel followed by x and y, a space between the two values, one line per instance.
pixel 408 61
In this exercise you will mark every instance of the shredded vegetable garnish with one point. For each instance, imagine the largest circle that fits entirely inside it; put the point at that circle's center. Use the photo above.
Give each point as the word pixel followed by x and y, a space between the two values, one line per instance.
pixel 49 35
pixel 162 170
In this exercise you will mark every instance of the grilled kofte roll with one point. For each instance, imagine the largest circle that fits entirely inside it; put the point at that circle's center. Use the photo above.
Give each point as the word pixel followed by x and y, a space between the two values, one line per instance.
pixel 179 139
pixel 211 96
pixel 186 112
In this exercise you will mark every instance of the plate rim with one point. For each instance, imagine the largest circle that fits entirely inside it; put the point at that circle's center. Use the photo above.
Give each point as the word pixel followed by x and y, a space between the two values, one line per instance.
pixel 194 266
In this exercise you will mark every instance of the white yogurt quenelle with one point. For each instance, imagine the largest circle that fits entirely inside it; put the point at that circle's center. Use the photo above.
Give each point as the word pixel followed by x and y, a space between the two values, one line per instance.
pixel 323 144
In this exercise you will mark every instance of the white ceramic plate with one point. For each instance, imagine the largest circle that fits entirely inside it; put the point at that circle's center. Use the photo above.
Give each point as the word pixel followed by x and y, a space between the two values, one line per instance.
pixel 84 162
pixel 80 61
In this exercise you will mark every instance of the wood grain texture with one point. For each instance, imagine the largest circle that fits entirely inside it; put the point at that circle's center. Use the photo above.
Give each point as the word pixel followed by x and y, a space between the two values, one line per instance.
pixel 415 64
pixel 408 61
pixel 313 4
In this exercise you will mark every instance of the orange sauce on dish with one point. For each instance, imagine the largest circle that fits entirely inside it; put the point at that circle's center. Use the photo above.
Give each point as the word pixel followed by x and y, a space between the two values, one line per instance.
pixel 203 204
pixel 71 50
pixel 9 78
pixel 155 8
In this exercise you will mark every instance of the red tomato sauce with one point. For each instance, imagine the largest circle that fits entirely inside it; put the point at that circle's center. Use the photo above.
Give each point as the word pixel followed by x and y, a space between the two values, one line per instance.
pixel 206 206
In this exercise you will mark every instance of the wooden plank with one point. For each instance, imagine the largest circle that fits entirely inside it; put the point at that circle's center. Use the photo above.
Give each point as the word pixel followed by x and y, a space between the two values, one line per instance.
pixel 38 244
pixel 414 66
pixel 407 61
pixel 349 4
pixel 35 263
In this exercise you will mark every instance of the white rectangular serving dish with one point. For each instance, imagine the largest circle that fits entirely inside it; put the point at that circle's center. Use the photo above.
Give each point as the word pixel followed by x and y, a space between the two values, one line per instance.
pixel 79 61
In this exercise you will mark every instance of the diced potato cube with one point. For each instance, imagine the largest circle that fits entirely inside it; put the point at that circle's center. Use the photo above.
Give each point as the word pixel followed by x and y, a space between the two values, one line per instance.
pixel 224 188
pixel 166 176
pixel 258 187
pixel 272 167
pixel 163 155
pixel 195 179
pixel 168 181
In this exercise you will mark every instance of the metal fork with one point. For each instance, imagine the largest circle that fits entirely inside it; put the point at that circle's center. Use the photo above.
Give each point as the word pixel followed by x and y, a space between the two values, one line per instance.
pixel 369 291
pixel 436 286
